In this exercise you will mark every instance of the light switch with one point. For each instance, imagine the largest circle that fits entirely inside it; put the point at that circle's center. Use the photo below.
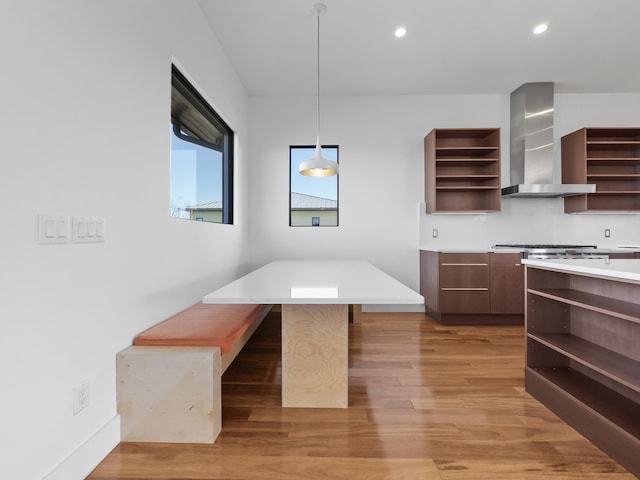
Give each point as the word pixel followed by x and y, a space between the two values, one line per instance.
pixel 87 229
pixel 53 228
pixel 50 228
pixel 82 228
pixel 100 228
pixel 62 227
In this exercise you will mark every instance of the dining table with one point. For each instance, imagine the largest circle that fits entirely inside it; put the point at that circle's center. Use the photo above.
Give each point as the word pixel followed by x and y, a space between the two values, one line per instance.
pixel 315 296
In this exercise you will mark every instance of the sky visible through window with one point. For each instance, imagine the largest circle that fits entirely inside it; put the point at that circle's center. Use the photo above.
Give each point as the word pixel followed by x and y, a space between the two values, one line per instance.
pixel 324 187
pixel 196 176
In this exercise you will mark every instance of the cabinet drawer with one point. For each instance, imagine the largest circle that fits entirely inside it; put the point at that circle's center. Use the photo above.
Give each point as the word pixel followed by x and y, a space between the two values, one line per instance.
pixel 464 275
pixel 509 258
pixel 464 301
pixel 464 258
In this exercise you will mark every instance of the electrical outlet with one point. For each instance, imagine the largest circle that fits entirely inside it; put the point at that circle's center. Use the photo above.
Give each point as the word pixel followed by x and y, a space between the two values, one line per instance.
pixel 80 397
pixel 434 233
pixel 607 233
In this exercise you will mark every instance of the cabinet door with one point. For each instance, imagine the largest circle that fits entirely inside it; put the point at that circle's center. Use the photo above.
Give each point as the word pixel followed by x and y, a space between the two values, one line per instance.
pixel 507 283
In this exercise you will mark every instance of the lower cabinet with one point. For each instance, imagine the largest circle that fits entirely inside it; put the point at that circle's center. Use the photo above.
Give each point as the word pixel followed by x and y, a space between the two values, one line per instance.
pixel 507 283
pixel 484 288
pixel 583 360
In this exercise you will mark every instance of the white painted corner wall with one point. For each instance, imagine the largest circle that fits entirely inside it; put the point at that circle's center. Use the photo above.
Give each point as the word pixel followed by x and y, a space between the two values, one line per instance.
pixel 85 131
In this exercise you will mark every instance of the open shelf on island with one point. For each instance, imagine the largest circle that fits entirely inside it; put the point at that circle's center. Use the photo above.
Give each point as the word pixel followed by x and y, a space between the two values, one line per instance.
pixel 617 308
pixel 582 359
pixel 619 368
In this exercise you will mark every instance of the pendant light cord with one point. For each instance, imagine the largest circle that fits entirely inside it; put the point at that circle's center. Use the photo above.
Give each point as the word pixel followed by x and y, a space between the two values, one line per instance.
pixel 318 81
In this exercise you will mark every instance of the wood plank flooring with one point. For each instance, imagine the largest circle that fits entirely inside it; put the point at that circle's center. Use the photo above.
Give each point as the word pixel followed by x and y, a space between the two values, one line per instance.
pixel 426 402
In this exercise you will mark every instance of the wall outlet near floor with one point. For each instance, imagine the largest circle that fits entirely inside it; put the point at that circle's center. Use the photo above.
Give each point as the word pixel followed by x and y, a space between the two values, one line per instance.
pixel 80 397
pixel 607 233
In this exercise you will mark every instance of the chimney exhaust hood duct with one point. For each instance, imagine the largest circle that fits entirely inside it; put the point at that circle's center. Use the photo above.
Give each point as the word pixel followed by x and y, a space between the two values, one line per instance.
pixel 532 146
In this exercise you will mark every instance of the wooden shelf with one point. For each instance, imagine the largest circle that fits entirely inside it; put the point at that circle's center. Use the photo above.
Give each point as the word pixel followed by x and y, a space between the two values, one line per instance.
pixel 604 402
pixel 465 162
pixel 609 306
pixel 613 176
pixel 462 170
pixel 462 188
pixel 608 157
pixel 469 177
pixel 470 150
pixel 617 367
pixel 613 160
pixel 616 192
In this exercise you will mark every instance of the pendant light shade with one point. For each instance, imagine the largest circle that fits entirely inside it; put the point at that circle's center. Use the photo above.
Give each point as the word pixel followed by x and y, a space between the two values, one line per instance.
pixel 318 166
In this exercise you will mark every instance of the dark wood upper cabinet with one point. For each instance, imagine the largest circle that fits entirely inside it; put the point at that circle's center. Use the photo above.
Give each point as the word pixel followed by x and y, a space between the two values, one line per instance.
pixel 462 170
pixel 608 158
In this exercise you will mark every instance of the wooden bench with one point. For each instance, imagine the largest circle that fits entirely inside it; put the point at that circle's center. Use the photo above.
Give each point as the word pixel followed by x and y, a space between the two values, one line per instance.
pixel 169 380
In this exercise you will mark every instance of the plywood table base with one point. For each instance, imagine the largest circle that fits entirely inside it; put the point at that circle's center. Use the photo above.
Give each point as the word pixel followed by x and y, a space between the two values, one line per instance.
pixel 315 344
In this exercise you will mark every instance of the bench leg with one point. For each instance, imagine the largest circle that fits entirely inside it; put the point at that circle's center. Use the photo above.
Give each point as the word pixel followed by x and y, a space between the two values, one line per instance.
pixel 315 346
pixel 169 394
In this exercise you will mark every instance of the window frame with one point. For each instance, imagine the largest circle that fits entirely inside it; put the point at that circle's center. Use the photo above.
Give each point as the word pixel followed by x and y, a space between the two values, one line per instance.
pixel 198 102
pixel 312 148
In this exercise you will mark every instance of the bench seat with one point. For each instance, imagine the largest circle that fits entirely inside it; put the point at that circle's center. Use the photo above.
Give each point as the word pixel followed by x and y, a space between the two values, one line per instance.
pixel 169 380
pixel 227 326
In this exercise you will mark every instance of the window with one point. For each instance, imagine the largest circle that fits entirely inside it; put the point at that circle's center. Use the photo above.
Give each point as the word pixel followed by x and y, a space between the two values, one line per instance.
pixel 201 157
pixel 313 201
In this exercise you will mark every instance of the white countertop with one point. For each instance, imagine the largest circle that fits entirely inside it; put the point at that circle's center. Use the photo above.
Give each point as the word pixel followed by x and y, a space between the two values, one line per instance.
pixel 316 282
pixel 616 249
pixel 627 269
pixel 474 250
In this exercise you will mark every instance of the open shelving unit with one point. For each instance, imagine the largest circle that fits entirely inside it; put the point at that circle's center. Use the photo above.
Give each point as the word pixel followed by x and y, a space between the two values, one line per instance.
pixel 462 170
pixel 583 360
pixel 609 158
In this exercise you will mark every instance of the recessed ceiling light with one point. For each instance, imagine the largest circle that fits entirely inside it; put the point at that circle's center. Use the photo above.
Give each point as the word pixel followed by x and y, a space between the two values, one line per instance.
pixel 541 28
pixel 400 32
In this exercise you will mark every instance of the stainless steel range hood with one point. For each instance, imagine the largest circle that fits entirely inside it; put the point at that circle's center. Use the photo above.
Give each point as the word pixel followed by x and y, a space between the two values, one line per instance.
pixel 532 145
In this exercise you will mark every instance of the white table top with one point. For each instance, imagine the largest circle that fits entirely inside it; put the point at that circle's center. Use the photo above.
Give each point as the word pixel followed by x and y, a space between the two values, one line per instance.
pixel 626 269
pixel 316 282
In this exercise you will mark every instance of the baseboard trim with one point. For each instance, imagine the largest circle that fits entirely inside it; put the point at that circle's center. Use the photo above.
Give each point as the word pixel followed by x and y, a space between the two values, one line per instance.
pixel 88 455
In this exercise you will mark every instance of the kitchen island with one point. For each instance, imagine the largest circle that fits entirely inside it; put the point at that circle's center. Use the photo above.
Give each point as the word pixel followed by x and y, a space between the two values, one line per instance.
pixel 583 348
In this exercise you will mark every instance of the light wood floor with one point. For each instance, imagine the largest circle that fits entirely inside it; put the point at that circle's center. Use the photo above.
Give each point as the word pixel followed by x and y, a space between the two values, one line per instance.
pixel 425 402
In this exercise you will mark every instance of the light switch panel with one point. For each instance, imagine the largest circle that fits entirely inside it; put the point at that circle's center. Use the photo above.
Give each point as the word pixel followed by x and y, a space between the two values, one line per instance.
pixel 53 228
pixel 86 229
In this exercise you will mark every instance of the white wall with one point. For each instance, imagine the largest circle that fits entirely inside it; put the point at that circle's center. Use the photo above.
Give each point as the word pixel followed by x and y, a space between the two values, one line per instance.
pixel 381 172
pixel 85 95
pixel 381 183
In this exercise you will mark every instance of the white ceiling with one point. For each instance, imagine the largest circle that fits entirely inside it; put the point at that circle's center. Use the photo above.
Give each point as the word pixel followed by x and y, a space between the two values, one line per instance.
pixel 453 46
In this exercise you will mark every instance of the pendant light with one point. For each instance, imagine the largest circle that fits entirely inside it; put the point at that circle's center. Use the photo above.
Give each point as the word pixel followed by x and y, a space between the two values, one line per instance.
pixel 318 166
